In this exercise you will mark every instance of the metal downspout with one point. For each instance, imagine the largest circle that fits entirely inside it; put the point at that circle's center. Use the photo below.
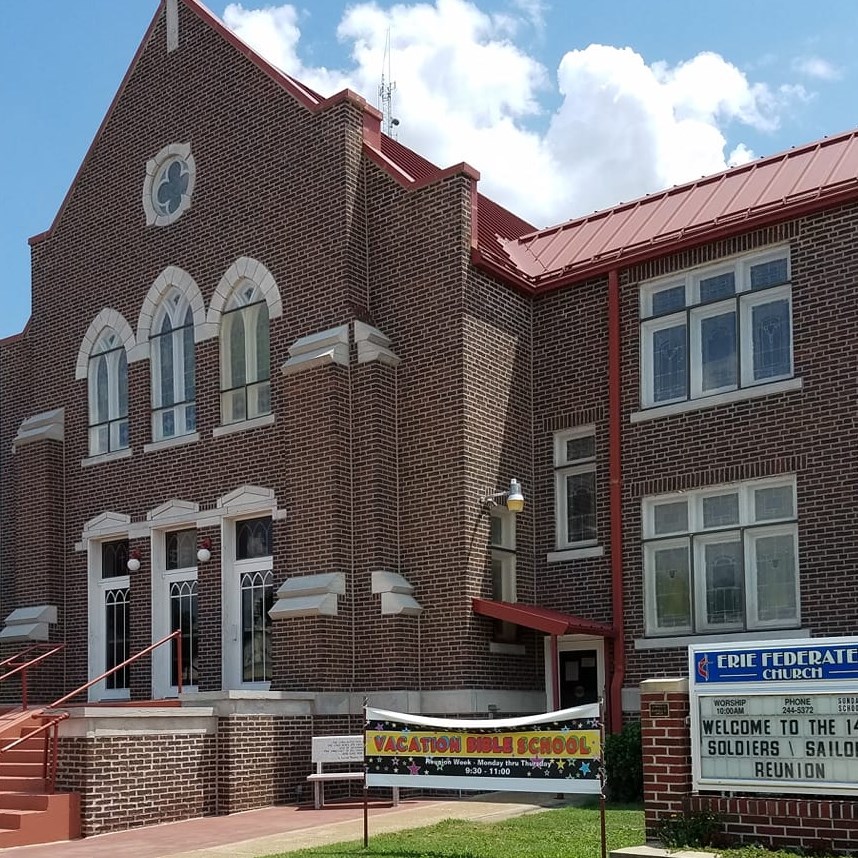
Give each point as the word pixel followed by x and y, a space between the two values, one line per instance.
pixel 616 500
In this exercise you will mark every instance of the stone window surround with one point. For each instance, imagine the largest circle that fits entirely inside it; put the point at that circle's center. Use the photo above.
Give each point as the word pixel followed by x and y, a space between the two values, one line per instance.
pixel 153 171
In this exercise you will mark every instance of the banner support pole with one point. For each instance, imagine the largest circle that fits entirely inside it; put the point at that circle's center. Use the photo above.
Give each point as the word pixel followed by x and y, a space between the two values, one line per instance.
pixel 602 777
pixel 365 786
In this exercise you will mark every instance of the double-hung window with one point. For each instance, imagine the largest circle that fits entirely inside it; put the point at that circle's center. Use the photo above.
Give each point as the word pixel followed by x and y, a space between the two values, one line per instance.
pixel 722 559
pixel 717 329
pixel 575 488
pixel 502 545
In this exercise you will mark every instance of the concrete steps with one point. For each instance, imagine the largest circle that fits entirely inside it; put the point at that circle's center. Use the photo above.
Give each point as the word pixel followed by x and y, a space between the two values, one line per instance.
pixel 28 813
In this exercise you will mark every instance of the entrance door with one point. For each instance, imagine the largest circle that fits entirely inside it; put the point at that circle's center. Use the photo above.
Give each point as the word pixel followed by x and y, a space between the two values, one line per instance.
pixel 579 677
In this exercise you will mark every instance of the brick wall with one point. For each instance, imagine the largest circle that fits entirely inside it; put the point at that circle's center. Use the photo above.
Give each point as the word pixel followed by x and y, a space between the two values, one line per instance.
pixel 130 781
pixel 815 824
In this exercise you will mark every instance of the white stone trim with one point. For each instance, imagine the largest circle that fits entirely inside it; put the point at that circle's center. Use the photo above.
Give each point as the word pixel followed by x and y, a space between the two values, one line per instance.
pixel 97 722
pixel 309 596
pixel 396 594
pixel 29 624
pixel 173 511
pixel 373 345
pixel 114 320
pixel 498 648
pixel 153 168
pixel 246 499
pixel 106 524
pixel 167 443
pixel 101 458
pixel 575 554
pixel 172 25
pixel 686 640
pixel 319 349
pixel 245 268
pixel 47 426
pixel 173 277
pixel 243 425
pixel 738 395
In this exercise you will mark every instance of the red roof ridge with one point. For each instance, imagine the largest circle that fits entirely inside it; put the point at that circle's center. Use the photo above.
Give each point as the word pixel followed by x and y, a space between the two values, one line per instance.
pixel 762 192
pixel 793 151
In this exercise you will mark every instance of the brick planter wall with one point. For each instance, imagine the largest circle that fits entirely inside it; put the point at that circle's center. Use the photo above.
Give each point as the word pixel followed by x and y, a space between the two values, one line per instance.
pixel 821 823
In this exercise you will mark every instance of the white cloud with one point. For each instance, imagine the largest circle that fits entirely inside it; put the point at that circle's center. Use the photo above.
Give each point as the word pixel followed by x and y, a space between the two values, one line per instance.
pixel 816 67
pixel 466 91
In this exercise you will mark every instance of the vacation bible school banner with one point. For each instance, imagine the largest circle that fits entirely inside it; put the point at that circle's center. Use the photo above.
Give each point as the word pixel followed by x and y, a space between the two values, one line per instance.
pixel 556 752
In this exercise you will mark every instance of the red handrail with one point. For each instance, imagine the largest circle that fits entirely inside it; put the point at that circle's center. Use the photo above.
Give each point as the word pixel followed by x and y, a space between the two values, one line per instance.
pixel 51 754
pixel 49 759
pixel 47 651
pixel 176 634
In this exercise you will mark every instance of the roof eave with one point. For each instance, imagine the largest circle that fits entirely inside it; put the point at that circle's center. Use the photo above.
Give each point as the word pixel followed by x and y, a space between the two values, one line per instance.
pixel 687 240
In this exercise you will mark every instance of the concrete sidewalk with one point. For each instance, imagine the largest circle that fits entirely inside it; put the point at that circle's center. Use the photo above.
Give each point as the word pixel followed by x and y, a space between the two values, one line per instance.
pixel 285 829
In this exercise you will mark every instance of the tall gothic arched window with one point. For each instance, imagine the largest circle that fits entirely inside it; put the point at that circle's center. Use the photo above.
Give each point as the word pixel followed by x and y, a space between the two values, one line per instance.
pixel 244 355
pixel 171 343
pixel 108 395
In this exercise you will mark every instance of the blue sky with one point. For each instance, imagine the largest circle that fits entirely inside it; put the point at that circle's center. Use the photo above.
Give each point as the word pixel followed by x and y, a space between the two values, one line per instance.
pixel 563 106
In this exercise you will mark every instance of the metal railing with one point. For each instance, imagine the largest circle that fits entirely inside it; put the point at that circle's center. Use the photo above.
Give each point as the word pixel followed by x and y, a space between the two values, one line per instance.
pixel 177 635
pixel 51 752
pixel 46 650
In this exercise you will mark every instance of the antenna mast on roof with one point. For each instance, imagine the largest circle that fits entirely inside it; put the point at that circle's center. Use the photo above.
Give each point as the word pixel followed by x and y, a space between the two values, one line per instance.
pixel 385 92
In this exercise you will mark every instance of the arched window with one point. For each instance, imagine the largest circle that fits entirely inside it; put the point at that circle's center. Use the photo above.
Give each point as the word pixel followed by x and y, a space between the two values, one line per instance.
pixel 244 355
pixel 108 395
pixel 171 349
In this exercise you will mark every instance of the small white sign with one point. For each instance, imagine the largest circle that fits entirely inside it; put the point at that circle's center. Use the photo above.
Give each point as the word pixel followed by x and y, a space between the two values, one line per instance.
pixel 338 749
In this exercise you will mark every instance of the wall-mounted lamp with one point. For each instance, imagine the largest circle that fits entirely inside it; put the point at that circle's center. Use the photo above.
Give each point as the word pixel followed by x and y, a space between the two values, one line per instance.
pixel 512 497
pixel 204 552
pixel 134 560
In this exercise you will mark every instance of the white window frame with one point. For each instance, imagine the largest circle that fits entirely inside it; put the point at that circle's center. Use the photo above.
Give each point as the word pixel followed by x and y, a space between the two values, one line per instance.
pixel 564 468
pixel 746 332
pixel 743 301
pixel 696 537
pixel 247 307
pixel 97 637
pixel 649 584
pixel 162 687
pixel 176 307
pixel 750 564
pixel 504 552
pixel 111 353
pixel 232 571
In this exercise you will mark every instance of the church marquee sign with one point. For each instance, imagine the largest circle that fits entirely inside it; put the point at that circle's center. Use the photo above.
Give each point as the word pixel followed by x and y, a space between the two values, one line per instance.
pixel 775 716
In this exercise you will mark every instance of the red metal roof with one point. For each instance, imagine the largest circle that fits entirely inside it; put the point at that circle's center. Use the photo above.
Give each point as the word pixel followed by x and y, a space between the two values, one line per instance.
pixel 801 180
pixel 542 619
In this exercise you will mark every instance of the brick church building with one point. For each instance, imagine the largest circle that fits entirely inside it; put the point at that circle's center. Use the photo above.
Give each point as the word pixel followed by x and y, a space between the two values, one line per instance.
pixel 285 382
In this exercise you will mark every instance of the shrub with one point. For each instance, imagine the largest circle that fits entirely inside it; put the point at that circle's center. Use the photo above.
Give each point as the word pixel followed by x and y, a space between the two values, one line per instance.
pixel 624 764
pixel 694 828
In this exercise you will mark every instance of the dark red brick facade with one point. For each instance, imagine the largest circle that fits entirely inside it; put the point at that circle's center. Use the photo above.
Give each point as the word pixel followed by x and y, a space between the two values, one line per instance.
pixel 378 465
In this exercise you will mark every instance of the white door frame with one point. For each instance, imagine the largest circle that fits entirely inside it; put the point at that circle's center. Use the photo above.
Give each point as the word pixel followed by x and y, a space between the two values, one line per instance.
pixel 570 643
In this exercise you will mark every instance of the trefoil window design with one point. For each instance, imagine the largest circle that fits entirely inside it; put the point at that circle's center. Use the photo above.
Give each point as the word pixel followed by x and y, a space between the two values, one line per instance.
pixel 722 559
pixel 169 184
pixel 717 329
pixel 108 395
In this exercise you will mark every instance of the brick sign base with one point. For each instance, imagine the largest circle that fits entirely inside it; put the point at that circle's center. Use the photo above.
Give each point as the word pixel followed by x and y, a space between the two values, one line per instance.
pixel 813 824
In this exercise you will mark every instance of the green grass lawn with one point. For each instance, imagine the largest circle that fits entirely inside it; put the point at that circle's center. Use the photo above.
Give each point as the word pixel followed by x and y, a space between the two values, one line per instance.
pixel 569 832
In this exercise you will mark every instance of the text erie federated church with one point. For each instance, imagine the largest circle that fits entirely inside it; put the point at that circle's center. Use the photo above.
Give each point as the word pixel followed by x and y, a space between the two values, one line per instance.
pixel 286 383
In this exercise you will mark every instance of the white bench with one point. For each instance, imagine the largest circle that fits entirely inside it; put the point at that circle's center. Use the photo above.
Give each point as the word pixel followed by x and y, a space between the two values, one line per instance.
pixel 337 750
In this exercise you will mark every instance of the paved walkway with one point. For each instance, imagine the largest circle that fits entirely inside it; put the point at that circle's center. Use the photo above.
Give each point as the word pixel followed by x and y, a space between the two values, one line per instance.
pixel 284 829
